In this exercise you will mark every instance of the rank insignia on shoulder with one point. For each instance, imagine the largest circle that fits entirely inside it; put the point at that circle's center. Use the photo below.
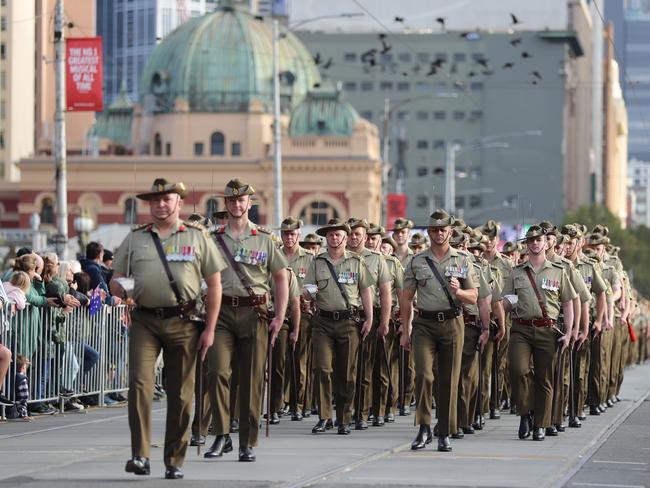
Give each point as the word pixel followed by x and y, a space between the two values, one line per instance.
pixel 141 227
pixel 263 230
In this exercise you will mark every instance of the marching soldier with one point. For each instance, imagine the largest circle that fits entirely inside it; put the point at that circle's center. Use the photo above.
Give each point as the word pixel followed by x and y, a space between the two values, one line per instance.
pixel 436 334
pixel 312 243
pixel 300 260
pixel 376 268
pixel 418 243
pixel 167 259
pixel 243 329
pixel 535 292
pixel 343 286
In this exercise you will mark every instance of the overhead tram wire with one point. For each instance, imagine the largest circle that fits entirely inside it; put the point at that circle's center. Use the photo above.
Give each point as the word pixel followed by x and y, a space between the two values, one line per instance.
pixel 628 81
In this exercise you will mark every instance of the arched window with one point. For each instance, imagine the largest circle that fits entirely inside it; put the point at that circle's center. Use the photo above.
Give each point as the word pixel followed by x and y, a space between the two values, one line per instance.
pixel 157 144
pixel 47 211
pixel 217 144
pixel 130 211
pixel 318 213
pixel 211 206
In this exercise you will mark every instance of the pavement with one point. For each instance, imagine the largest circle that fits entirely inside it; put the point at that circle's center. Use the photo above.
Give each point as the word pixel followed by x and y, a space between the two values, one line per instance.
pixel 90 449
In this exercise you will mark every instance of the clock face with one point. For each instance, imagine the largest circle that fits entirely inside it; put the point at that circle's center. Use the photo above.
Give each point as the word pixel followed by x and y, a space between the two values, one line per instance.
pixel 160 83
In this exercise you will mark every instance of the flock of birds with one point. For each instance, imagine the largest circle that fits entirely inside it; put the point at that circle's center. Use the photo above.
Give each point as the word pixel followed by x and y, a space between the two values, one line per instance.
pixel 369 58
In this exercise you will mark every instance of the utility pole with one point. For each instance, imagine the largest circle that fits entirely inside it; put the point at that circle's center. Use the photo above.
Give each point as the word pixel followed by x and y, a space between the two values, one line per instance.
pixel 61 238
pixel 277 134
pixel 385 165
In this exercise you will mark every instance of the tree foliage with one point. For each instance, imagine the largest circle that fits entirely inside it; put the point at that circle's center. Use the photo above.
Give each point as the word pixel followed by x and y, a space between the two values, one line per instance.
pixel 634 243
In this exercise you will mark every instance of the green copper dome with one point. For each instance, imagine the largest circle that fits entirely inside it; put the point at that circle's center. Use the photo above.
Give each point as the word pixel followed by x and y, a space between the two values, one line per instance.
pixel 323 113
pixel 223 61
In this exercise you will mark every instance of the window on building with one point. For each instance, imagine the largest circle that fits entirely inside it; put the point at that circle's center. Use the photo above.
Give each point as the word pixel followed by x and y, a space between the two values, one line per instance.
pixel 422 86
pixel 404 57
pixel 386 85
pixel 198 149
pixel 474 201
pixel 459 57
pixel 47 211
pixel 366 86
pixel 168 149
pixel 350 57
pixel 459 115
pixel 130 211
pixel 2 50
pixel 439 115
pixel 217 144
pixel 350 86
pixel 2 139
pixel 3 23
pixel 386 58
pixel 130 27
pixel 422 171
pixel 157 144
pixel 439 144
pixel 422 144
pixel 439 86
pixel 476 86
pixel 422 115
pixel 120 30
pixel 211 206
pixel 422 201
pixel 235 149
pixel 403 86
pixel 478 56
pixel 438 202
pixel 3 108
pixel 423 57
pixel 366 114
pixel 441 56
pixel 318 213
pixel 403 115
pixel 460 202
pixel 476 114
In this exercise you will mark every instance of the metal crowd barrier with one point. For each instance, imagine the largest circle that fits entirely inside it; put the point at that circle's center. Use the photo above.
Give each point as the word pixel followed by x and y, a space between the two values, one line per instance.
pixel 71 355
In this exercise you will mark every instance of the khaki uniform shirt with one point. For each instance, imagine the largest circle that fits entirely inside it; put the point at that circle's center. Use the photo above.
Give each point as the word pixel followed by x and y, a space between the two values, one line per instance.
pixel 612 279
pixel 351 271
pixel 191 255
pixel 484 289
pixel 574 277
pixel 419 277
pixel 397 273
pixel 300 264
pixel 407 259
pixel 376 266
pixel 553 285
pixel 504 264
pixel 591 277
pixel 258 258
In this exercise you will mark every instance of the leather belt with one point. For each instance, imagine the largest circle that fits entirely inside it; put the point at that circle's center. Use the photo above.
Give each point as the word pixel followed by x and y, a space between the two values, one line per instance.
pixel 440 316
pixel 168 312
pixel 336 314
pixel 249 301
pixel 471 320
pixel 536 322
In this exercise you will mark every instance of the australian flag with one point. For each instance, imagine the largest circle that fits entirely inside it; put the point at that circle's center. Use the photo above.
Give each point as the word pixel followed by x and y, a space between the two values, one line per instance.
pixel 95 301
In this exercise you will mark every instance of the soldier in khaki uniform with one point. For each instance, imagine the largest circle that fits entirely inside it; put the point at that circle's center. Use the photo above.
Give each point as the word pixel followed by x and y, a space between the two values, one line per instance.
pixel 403 252
pixel 382 370
pixel 591 318
pixel 300 260
pixel 534 332
pixel 437 331
pixel 162 318
pixel 336 327
pixel 312 243
pixel 243 331
pixel 418 243
pixel 378 271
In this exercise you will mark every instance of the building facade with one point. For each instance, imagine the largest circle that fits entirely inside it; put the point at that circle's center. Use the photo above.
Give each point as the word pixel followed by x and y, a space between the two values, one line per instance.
pixel 639 184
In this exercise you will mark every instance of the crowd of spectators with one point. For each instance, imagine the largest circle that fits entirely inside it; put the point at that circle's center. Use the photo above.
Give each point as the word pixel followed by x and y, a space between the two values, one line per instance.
pixel 45 291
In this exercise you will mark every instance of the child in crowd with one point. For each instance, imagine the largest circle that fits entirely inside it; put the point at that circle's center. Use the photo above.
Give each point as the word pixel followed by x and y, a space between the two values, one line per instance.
pixel 22 387
pixel 16 289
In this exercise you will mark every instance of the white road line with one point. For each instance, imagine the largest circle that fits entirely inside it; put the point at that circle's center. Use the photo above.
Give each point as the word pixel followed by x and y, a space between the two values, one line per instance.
pixel 605 485
pixel 620 462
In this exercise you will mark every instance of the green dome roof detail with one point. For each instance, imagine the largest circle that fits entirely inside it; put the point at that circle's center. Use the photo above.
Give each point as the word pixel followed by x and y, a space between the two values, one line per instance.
pixel 114 123
pixel 323 113
pixel 222 61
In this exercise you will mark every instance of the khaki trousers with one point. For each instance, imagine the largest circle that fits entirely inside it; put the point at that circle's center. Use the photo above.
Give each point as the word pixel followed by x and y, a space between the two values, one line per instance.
pixel 532 388
pixel 278 366
pixel 336 345
pixel 595 370
pixel 581 372
pixel 301 353
pixel 369 358
pixel 468 381
pixel 205 415
pixel 177 338
pixel 440 342
pixel 606 343
pixel 241 335
pixel 382 377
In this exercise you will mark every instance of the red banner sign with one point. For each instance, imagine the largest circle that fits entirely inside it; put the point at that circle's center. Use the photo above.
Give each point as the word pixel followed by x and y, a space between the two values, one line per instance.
pixel 396 204
pixel 83 74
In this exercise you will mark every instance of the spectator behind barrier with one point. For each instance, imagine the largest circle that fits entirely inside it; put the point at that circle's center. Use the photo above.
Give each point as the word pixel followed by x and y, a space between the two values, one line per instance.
pixel 16 289
pixel 92 264
pixel 22 387
pixel 5 353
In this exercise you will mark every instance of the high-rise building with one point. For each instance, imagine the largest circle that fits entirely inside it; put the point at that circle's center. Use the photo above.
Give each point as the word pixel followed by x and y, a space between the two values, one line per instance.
pixel 131 30
pixel 639 181
pixel 17 45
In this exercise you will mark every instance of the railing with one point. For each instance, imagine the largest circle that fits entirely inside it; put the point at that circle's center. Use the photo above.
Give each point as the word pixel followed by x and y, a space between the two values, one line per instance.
pixel 71 355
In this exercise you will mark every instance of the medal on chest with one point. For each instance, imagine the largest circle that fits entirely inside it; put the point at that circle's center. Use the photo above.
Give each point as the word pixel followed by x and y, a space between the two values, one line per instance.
pixel 348 277
pixel 456 271
pixel 302 272
pixel 588 280
pixel 550 285
pixel 180 253
pixel 250 256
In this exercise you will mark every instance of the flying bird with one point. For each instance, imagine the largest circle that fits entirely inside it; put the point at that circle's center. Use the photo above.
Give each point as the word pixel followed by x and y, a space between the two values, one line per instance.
pixel 317 59
pixel 386 47
pixel 483 62
pixel 439 62
pixel 441 21
pixel 471 74
pixel 381 36
pixel 260 18
pixel 368 55
pixel 516 40
pixel 404 73
pixel 515 20
pixel 507 65
pixel 399 19
pixel 328 64
pixel 536 75
pixel 432 70
pixel 526 54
